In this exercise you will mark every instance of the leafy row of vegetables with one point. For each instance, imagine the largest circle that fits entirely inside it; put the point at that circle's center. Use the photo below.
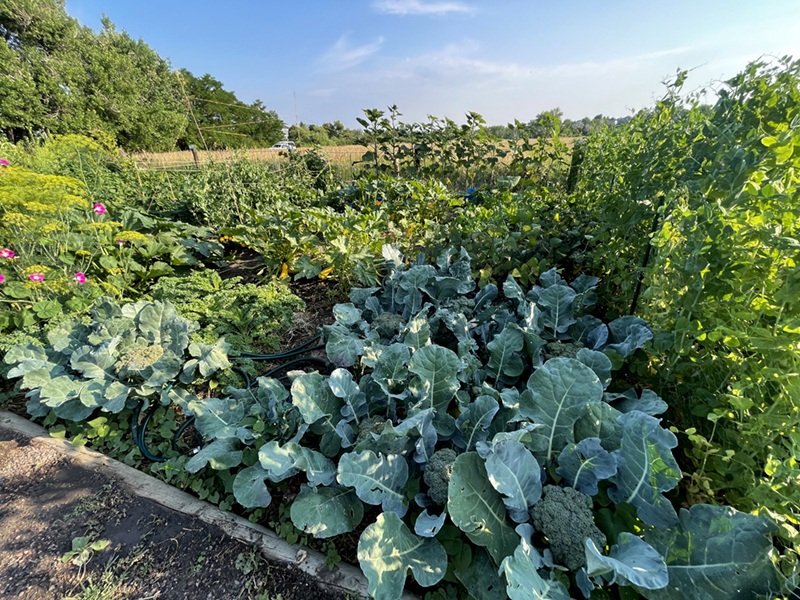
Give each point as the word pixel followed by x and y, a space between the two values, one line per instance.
pixel 475 433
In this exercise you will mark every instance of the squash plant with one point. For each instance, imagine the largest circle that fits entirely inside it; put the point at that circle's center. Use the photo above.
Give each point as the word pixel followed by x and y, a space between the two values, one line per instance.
pixel 481 437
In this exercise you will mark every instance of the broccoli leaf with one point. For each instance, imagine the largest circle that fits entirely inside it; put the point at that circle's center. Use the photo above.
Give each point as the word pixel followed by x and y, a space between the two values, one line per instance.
pixel 436 383
pixel 387 549
pixel 522 572
pixel 281 462
pixel 478 509
pixel 583 464
pixel 514 472
pixel 325 512
pixel 249 488
pixel 557 303
pixel 628 334
pixel 505 362
pixel 428 525
pixel 632 560
pixel 342 347
pixel 481 578
pixel 716 553
pixel 377 479
pixel 219 455
pixel 474 421
pixel 646 468
pixel 557 395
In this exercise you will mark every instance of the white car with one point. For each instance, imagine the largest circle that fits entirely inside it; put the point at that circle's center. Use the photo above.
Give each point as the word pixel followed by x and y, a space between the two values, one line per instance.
pixel 284 146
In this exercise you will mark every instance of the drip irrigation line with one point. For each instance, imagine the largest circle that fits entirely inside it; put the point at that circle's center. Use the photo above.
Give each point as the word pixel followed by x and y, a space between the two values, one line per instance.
pixel 292 361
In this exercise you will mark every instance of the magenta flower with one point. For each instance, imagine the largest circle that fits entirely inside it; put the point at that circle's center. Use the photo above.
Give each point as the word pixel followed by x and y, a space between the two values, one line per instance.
pixel 36 277
pixel 99 208
pixel 80 278
pixel 2 278
pixel 6 253
pixel 121 243
pixel 5 163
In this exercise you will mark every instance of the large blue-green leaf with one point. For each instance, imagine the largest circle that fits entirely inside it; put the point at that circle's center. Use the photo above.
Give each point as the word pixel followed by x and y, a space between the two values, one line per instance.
pixel 600 421
pixel 524 581
pixel 208 359
pixel 96 363
pixel 318 406
pixel 342 347
pixel 590 331
pixel 377 479
pixel 23 352
pixel 219 455
pixel 387 549
pixel 418 332
pixel 250 489
pixel 478 509
pixel 597 362
pixel 646 469
pixel 514 472
pixel 631 560
pixel 436 382
pixel 557 303
pixel 628 334
pixel 347 314
pixel 281 462
pixel 68 336
pixel 355 401
pixel 216 417
pixel 428 525
pixel 505 361
pixel 481 578
pixel 325 512
pixel 649 402
pixel 391 369
pixel 583 464
pixel 557 395
pixel 716 553
pixel 474 421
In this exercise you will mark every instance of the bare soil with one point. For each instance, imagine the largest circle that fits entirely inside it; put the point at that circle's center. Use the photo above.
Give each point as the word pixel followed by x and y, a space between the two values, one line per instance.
pixel 46 501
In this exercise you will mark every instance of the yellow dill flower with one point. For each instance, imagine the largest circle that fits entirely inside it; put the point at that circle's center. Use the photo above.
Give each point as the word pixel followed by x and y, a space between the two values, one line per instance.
pixel 17 219
pixel 110 288
pixel 36 269
pixel 83 253
pixel 132 236
pixel 115 271
pixel 40 207
pixel 98 225
pixel 52 228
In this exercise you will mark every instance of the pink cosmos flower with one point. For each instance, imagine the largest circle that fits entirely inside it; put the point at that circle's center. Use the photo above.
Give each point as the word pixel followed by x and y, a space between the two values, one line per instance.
pixel 99 208
pixel 2 278
pixel 36 277
pixel 80 278
pixel 6 253
pixel 5 163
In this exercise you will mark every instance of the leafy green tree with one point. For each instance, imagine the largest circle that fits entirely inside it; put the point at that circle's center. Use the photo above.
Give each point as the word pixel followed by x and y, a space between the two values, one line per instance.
pixel 226 121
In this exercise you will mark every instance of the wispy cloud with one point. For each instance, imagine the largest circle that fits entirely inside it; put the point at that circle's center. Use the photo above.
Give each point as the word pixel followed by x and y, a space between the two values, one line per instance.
pixel 418 7
pixel 343 55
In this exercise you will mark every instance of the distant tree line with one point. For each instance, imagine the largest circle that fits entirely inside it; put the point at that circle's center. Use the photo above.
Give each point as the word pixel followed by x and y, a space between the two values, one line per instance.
pixel 544 124
pixel 327 134
pixel 58 77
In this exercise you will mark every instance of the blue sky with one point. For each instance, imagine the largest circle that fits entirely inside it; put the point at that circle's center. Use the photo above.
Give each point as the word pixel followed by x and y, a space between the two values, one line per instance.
pixel 503 59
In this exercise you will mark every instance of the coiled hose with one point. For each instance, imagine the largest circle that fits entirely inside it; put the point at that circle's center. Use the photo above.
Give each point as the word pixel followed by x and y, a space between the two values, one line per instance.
pixel 138 429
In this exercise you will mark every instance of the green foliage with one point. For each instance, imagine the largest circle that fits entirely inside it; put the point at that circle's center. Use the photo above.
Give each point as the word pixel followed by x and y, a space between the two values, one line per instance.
pixel 722 275
pixel 249 316
pixel 68 251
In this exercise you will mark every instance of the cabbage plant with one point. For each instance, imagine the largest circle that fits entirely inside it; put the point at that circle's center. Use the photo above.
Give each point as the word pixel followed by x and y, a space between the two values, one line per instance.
pixel 478 436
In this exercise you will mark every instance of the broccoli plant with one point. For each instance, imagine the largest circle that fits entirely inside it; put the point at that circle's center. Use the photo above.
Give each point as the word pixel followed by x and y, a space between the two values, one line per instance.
pixel 479 437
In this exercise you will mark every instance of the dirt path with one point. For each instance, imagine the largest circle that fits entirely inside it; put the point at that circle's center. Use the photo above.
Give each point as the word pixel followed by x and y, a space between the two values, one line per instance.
pixel 46 502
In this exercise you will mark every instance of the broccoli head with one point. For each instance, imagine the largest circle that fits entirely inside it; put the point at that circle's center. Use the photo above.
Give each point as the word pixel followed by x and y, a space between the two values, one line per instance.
pixel 560 349
pixel 565 517
pixel 437 474
pixel 371 425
